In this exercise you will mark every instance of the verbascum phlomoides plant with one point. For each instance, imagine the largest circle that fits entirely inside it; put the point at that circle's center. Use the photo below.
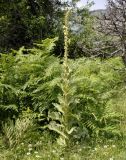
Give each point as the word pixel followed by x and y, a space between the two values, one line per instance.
pixel 64 110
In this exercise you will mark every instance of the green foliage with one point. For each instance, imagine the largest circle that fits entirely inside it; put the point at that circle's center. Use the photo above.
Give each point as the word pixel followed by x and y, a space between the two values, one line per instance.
pixel 96 86
pixel 14 133
pixel 33 82
pixel 45 99
pixel 29 79
pixel 26 21
pixel 21 76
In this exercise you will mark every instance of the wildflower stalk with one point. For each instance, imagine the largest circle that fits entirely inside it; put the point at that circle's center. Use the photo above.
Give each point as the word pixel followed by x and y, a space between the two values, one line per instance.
pixel 65 99
pixel 65 86
pixel 65 79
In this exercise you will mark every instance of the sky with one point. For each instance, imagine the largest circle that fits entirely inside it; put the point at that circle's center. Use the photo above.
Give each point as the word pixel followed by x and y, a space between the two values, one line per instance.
pixel 99 4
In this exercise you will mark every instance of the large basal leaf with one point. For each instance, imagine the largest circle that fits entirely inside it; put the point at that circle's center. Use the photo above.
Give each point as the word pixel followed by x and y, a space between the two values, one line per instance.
pixel 58 128
pixel 54 115
pixel 58 107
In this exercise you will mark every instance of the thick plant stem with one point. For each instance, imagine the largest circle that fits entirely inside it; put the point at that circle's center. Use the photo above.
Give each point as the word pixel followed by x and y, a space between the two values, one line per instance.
pixel 65 99
pixel 65 79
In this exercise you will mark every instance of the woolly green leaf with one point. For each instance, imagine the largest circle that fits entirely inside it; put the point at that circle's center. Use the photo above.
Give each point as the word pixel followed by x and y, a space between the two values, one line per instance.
pixel 61 141
pixel 54 115
pixel 58 107
pixel 71 130
pixel 57 128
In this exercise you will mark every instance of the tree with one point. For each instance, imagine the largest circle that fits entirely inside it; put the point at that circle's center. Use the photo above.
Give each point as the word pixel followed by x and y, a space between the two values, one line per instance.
pixel 86 40
pixel 24 21
pixel 114 24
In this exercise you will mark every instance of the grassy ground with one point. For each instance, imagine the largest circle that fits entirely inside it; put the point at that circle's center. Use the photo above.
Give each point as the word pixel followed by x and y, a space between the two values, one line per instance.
pixel 45 149
pixel 42 147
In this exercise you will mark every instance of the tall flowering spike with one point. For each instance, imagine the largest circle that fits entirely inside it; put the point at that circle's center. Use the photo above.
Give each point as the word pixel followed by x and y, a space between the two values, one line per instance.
pixel 65 97
pixel 66 67
pixel 66 32
pixel 65 78
pixel 66 44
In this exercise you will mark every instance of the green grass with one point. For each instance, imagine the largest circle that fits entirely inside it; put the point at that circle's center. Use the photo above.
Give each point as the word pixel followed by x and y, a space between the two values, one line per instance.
pixel 38 145
pixel 44 148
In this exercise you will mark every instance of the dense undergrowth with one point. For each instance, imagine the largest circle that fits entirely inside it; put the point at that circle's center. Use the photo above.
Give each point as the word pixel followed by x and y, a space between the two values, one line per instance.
pixel 32 120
